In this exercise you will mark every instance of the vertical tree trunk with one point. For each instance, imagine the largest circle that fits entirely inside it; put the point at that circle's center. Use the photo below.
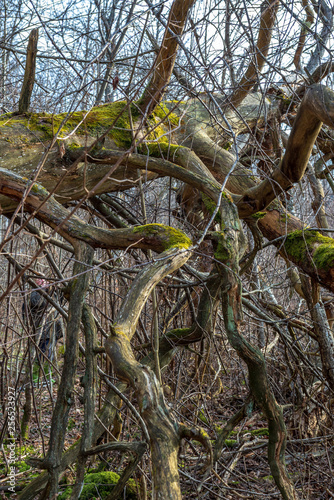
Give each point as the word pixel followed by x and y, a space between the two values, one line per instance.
pixel 228 253
pixel 78 288
pixel 29 73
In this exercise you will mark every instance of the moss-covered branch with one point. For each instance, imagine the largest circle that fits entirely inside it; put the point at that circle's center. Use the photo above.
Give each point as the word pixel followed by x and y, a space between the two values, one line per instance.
pixel 163 431
pixel 274 222
pixel 316 109
pixel 311 245
pixel 228 254
pixel 37 201
pixel 312 252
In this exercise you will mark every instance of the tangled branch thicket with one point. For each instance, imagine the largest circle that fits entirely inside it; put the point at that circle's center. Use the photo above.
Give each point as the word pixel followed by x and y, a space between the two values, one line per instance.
pixel 167 252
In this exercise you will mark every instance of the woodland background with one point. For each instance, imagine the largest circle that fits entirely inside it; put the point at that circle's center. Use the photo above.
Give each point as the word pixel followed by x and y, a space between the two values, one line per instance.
pixel 241 72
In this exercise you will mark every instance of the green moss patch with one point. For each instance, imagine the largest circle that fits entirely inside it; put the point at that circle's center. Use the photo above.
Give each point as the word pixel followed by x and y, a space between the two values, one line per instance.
pixel 301 245
pixel 163 113
pixel 224 251
pixel 259 215
pixel 202 417
pixel 285 217
pixel 94 122
pixel 260 432
pixel 99 485
pixel 157 142
pixel 170 236
pixel 266 478
pixel 21 452
pixel 222 254
pixel 230 443
pixel 210 206
pixel 99 119
pixel 180 333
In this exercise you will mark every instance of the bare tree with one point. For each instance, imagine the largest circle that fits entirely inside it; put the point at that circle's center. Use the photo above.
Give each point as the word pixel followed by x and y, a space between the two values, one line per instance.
pixel 187 225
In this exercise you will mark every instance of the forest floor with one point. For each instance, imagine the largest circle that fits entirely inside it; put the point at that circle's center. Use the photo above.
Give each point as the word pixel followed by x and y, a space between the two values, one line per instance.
pixel 242 470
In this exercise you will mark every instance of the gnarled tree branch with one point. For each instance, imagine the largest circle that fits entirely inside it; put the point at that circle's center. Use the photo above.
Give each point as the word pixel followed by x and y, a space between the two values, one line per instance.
pixel 164 63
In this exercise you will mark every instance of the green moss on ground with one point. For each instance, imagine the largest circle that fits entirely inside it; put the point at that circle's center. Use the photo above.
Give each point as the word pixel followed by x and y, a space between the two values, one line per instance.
pixel 170 236
pixel 301 245
pixel 22 466
pixel 71 424
pixel 98 485
pixel 21 452
pixel 260 432
pixel 266 478
pixel 230 443
pixel 202 417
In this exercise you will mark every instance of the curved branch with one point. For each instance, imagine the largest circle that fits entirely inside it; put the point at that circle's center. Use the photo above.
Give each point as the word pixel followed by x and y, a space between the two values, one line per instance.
pixel 200 436
pixel 43 206
pixel 268 18
pixel 228 254
pixel 316 109
pixel 144 284
pixel 163 431
pixel 186 167
pixel 164 63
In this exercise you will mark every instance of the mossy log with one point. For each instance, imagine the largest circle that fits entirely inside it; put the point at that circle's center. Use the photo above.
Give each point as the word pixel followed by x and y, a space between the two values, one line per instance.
pixel 78 165
pixel 25 139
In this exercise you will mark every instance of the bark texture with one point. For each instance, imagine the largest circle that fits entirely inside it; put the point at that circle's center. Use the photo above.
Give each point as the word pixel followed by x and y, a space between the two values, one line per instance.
pixel 164 64
pixel 163 430
pixel 29 73
pixel 228 251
